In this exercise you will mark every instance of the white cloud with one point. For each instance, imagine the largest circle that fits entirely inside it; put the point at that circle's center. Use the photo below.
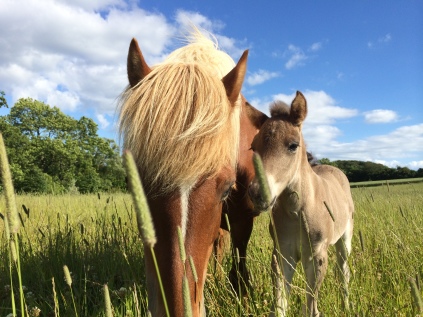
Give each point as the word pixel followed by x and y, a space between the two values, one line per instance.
pixel 385 39
pixel 322 108
pixel 297 57
pixel 71 56
pixel 260 77
pixel 231 46
pixel 315 47
pixel 104 123
pixel 380 116
pixel 415 165
pixel 387 149
pixel 381 40
pixel 188 18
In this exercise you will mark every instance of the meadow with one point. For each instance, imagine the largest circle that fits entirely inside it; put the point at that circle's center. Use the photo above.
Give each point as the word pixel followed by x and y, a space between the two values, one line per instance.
pixel 96 238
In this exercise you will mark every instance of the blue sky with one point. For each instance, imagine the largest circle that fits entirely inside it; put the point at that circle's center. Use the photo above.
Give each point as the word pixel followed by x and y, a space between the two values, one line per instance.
pixel 359 63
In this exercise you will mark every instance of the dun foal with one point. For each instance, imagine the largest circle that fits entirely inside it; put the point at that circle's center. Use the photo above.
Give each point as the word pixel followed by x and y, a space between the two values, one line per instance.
pixel 312 206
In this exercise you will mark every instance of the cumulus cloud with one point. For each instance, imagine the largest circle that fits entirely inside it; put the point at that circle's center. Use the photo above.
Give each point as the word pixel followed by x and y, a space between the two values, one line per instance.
pixel 104 123
pixel 380 116
pixel 72 53
pixel 315 46
pixel 296 57
pixel 74 48
pixel 260 77
pixel 185 19
pixel 322 108
pixel 381 40
pixel 386 149
pixel 415 165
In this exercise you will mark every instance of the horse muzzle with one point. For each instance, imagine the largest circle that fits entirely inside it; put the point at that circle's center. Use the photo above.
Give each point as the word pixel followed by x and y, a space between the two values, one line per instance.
pixel 260 204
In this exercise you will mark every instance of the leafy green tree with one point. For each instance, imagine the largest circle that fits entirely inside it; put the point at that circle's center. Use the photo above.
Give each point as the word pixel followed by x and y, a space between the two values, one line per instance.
pixel 52 152
pixel 3 101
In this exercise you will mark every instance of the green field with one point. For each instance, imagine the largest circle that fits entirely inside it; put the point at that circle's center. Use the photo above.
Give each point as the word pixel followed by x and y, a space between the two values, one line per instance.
pixel 95 236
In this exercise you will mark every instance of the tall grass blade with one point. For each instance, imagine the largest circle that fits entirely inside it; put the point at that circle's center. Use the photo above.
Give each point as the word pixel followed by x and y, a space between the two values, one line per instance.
pixel 107 303
pixel 415 293
pixel 186 297
pixel 11 222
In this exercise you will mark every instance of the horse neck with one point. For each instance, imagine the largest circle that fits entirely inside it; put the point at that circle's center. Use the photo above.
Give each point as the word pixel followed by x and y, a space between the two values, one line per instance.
pixel 301 185
pixel 251 122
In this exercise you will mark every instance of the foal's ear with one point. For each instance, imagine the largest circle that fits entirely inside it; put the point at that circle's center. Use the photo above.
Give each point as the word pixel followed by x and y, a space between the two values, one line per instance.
pixel 234 79
pixel 137 68
pixel 298 109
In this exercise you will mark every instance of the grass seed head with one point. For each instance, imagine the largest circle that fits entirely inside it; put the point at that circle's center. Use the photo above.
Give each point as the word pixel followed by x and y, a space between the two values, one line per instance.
pixel 144 220
pixel 262 179
pixel 68 278
pixel 9 192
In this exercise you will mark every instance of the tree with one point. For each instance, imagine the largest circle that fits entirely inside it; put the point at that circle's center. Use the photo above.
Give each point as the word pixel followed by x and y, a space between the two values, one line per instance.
pixel 3 101
pixel 52 152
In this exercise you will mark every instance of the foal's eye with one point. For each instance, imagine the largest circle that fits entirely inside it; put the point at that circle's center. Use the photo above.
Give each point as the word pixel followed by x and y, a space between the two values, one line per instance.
pixel 292 147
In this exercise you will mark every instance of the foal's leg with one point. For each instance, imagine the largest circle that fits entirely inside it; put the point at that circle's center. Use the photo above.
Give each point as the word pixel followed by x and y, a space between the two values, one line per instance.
pixel 282 290
pixel 315 263
pixel 343 249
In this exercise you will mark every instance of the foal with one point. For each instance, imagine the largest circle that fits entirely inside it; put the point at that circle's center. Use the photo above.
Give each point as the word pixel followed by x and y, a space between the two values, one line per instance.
pixel 312 206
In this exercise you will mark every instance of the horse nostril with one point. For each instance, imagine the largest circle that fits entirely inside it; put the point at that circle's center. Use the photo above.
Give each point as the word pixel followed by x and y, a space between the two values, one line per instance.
pixel 252 190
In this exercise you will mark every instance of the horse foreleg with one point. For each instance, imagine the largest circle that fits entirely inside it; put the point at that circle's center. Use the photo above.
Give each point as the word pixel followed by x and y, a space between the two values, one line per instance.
pixel 240 234
pixel 282 280
pixel 315 263
pixel 343 249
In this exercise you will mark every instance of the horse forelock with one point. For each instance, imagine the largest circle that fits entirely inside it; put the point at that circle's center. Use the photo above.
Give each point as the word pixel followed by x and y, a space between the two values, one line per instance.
pixel 202 49
pixel 178 122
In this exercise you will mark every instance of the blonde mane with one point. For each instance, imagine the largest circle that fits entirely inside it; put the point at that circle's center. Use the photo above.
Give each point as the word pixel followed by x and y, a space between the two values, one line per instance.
pixel 178 122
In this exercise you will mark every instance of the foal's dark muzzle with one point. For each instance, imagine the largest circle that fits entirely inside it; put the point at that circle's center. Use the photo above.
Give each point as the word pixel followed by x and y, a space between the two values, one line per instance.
pixel 260 204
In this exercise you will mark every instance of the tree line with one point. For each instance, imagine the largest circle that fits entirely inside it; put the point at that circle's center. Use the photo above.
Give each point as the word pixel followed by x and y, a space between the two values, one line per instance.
pixel 50 152
pixel 359 171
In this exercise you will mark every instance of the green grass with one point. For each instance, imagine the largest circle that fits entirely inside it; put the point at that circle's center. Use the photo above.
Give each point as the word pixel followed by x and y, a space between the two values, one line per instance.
pixel 97 238
pixel 387 182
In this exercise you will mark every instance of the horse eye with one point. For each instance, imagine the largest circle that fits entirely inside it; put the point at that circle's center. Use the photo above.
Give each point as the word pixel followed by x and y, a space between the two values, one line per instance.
pixel 292 147
pixel 227 192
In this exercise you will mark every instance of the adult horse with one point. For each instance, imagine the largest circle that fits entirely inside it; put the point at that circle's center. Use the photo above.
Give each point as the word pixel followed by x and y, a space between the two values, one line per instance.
pixel 181 121
pixel 312 205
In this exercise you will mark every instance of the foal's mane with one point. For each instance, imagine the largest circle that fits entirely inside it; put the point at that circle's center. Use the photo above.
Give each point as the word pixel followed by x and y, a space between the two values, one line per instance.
pixel 279 109
pixel 177 121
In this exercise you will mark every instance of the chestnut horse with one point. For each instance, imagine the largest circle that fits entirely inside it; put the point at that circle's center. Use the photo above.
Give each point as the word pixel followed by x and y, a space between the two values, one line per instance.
pixel 312 206
pixel 181 121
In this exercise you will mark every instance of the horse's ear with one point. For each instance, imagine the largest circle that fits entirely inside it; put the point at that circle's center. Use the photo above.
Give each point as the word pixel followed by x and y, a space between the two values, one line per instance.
pixel 137 68
pixel 234 79
pixel 298 109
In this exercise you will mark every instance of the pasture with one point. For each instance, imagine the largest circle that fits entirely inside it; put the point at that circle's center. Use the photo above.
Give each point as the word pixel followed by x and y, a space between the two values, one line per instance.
pixel 96 237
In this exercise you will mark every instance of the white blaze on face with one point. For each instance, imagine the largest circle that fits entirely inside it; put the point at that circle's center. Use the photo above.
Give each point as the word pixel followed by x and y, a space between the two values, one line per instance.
pixel 275 187
pixel 185 192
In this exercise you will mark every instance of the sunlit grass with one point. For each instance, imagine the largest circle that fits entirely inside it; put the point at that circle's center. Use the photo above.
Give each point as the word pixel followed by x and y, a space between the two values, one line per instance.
pixel 96 237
